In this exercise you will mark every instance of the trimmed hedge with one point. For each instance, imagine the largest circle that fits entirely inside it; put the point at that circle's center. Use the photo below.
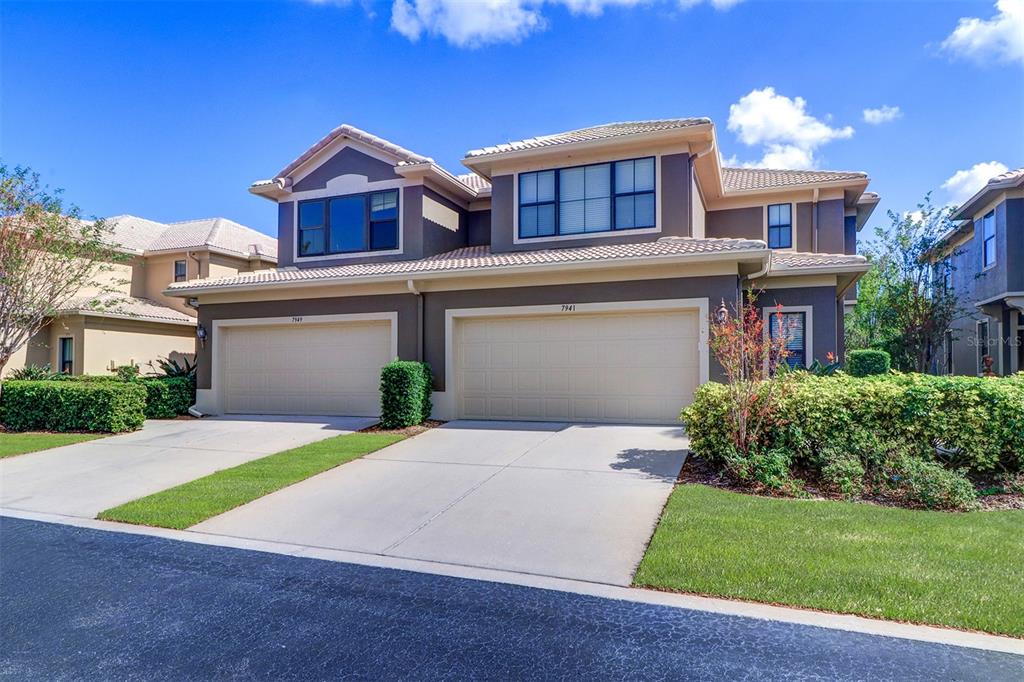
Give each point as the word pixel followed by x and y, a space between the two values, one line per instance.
pixel 168 397
pixel 110 407
pixel 844 427
pixel 405 388
pixel 867 362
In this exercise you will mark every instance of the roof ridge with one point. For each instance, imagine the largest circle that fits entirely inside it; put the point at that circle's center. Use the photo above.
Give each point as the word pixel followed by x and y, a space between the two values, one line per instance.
pixel 792 170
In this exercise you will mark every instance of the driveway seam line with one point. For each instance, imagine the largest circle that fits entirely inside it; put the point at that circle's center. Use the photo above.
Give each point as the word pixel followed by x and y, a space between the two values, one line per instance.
pixel 471 490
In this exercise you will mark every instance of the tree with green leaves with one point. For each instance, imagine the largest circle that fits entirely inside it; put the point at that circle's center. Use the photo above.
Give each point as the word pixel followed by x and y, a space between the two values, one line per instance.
pixel 903 303
pixel 48 253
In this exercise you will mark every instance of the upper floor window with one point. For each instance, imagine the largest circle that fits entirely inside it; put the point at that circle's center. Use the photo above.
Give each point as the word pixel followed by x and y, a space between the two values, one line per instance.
pixel 597 198
pixel 780 226
pixel 349 224
pixel 988 239
pixel 180 271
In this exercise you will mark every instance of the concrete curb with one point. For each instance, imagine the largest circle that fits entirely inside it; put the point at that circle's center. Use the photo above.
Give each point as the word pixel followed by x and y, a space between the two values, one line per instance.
pixel 848 623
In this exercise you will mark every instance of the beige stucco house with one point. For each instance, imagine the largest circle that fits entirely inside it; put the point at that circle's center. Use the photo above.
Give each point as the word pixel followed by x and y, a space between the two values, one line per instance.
pixel 123 316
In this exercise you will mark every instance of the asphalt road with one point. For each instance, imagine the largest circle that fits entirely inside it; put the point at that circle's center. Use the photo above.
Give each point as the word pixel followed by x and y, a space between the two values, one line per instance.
pixel 87 604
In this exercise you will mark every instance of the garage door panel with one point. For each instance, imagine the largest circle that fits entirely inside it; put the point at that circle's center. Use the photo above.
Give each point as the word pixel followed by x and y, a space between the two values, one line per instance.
pixel 640 367
pixel 320 369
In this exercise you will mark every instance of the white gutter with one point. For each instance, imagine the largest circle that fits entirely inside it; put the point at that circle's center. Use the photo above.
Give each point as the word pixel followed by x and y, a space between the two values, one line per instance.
pixel 597 263
pixel 763 271
pixel 411 285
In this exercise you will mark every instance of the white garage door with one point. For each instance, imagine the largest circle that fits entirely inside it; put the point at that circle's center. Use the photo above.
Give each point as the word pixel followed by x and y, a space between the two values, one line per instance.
pixel 325 369
pixel 621 367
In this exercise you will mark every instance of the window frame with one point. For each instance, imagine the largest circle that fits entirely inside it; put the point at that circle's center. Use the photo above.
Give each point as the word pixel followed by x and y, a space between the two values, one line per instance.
pixel 60 354
pixel 792 226
pixel 988 243
pixel 367 226
pixel 808 313
pixel 948 345
pixel 613 196
pixel 184 267
pixel 982 346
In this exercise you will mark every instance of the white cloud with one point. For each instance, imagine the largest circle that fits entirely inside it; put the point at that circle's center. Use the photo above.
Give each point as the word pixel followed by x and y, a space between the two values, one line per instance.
pixel 882 114
pixel 788 134
pixel 1000 38
pixel 473 23
pixel 964 183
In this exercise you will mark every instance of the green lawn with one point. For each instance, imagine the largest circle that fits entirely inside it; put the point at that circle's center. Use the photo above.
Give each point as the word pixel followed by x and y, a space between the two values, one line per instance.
pixel 188 504
pixel 960 570
pixel 20 443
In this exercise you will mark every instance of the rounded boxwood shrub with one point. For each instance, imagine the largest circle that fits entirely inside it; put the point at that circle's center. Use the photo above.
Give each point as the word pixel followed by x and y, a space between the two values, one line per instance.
pixel 862 363
pixel 405 388
pixel 103 406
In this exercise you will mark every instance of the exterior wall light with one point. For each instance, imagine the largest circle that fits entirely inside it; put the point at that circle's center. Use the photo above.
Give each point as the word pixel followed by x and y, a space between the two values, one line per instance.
pixel 201 335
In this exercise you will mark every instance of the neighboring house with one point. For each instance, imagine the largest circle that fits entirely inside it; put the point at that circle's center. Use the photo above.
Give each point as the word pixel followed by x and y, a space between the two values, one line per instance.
pixel 568 277
pixel 123 316
pixel 987 274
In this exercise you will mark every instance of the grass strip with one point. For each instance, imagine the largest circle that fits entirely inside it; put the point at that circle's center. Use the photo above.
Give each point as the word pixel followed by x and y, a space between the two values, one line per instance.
pixel 189 503
pixel 959 570
pixel 20 443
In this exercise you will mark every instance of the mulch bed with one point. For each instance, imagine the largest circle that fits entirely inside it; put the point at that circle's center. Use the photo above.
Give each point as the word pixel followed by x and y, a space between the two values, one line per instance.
pixel 407 431
pixel 697 470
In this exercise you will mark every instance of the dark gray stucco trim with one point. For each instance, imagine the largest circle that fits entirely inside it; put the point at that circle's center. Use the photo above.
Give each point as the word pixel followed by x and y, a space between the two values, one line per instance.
pixel 825 315
pixel 348 161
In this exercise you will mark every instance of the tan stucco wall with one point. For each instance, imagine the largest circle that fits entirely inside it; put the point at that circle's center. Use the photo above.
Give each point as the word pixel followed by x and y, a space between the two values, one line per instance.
pixel 108 341
pixel 115 277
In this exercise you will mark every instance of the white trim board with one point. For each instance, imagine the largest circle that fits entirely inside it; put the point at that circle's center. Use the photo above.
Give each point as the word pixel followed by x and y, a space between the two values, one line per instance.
pixel 210 400
pixel 444 401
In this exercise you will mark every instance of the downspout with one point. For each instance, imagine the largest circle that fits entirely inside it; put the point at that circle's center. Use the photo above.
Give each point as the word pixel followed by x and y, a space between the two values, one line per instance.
pixel 814 222
pixel 411 286
pixel 763 271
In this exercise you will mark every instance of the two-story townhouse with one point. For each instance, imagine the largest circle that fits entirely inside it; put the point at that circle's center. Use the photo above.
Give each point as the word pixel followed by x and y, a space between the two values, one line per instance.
pixel 123 316
pixel 567 277
pixel 986 253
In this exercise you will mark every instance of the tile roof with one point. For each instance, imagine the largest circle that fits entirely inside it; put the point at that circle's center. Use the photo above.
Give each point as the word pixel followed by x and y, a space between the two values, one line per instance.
pixel 474 182
pixel 141 235
pixel 1010 177
pixel 795 260
pixel 739 179
pixel 601 132
pixel 346 130
pixel 480 257
pixel 122 305
pixel 1007 180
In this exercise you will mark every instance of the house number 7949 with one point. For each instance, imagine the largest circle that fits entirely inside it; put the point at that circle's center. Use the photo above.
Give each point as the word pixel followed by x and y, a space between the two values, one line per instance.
pixel 568 307
pixel 296 319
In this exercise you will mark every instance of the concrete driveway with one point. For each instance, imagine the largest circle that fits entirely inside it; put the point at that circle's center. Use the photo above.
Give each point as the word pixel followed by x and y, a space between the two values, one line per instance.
pixel 572 501
pixel 86 478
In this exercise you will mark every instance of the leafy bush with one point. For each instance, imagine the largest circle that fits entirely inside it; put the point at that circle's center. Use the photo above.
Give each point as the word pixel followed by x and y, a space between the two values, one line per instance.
pixel 849 430
pixel 108 406
pixel 168 397
pixel 866 362
pixel 405 388
pixel 843 470
pixel 932 485
pixel 127 372
pixel 31 373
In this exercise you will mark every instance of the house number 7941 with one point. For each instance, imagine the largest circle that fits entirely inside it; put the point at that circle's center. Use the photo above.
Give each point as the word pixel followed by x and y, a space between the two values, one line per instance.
pixel 568 307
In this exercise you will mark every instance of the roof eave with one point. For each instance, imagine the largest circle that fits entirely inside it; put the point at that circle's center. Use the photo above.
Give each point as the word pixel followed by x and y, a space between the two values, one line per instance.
pixel 860 183
pixel 739 255
pixel 481 163
pixel 89 312
pixel 438 174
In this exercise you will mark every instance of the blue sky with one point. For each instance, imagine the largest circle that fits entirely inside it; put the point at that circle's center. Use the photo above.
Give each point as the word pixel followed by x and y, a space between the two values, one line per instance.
pixel 169 111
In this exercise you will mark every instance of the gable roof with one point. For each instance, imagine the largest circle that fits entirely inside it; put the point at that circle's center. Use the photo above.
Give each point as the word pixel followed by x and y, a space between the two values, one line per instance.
pixel 351 132
pixel 1008 180
pixel 142 236
pixel 591 134
pixel 753 179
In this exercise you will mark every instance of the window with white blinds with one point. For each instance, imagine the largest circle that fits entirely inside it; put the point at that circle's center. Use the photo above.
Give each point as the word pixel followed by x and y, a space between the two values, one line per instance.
pixel 793 327
pixel 599 197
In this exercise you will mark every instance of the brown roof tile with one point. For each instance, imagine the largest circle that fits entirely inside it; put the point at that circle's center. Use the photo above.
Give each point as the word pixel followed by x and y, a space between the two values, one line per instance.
pixel 740 179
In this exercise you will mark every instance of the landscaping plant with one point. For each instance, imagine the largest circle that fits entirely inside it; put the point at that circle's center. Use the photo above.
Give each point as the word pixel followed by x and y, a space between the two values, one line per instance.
pixel 405 388
pixel 49 253
pixel 865 362
pixel 108 406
